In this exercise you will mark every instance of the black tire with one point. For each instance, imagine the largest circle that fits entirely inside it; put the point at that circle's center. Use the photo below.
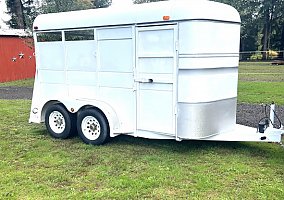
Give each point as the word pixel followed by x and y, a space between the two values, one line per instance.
pixel 92 127
pixel 58 122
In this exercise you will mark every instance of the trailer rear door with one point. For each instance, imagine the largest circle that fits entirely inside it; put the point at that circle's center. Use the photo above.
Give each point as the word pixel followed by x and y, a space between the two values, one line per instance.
pixel 156 79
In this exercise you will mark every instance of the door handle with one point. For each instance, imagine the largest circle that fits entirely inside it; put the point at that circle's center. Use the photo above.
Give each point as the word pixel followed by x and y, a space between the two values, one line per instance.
pixel 145 80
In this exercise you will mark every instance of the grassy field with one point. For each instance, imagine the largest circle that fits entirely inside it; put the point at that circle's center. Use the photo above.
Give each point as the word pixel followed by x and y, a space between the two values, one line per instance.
pixel 35 166
pixel 261 82
pixel 20 83
pixel 261 72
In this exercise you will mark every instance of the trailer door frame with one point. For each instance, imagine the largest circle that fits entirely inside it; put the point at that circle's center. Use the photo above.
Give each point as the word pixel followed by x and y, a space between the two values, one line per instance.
pixel 156 79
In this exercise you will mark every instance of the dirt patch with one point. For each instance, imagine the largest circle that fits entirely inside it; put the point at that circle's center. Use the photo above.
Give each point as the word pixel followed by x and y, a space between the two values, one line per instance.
pixel 247 114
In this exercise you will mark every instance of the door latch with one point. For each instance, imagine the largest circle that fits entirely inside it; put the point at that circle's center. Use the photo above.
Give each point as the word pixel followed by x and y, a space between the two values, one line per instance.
pixel 145 80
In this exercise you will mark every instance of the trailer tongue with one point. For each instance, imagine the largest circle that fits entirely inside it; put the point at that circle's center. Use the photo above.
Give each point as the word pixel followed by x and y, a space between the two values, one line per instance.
pixel 245 133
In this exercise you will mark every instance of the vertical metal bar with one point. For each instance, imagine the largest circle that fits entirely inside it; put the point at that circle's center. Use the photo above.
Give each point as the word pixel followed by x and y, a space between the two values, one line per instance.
pixel 272 110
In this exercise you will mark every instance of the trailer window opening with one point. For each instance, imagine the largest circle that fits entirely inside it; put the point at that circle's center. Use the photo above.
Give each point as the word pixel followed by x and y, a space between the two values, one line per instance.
pixel 49 36
pixel 79 35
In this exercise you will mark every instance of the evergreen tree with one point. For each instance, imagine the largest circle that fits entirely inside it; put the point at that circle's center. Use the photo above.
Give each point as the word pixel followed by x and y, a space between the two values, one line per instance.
pixel 22 13
pixel 53 6
pixel 101 3
pixel 16 11
pixel 145 1
pixel 262 24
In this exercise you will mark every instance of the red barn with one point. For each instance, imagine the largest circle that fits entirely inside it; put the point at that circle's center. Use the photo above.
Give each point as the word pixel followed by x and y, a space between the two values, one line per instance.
pixel 17 60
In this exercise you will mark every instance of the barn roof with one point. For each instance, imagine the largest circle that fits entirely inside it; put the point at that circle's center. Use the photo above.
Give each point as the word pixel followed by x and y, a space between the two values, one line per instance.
pixel 138 14
pixel 13 32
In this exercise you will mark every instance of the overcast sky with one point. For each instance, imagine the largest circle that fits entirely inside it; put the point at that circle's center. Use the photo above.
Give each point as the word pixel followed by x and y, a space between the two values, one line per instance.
pixel 3 16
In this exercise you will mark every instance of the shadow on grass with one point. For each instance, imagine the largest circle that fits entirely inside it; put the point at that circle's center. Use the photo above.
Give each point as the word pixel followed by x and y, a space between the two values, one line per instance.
pixel 142 146
pixel 253 149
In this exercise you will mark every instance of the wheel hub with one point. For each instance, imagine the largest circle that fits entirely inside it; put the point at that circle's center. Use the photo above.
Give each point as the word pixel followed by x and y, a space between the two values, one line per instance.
pixel 57 122
pixel 91 127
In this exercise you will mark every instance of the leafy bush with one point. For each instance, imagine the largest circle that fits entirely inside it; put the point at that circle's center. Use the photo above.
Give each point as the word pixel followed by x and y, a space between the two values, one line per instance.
pixel 256 56
pixel 271 54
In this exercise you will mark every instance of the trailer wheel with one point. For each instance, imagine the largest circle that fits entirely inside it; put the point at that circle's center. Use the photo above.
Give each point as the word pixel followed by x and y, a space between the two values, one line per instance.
pixel 92 127
pixel 58 122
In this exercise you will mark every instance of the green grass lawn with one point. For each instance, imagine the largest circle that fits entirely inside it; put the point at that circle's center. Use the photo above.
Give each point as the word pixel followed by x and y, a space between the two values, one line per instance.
pixel 261 92
pixel 20 83
pixel 261 82
pixel 35 166
pixel 261 72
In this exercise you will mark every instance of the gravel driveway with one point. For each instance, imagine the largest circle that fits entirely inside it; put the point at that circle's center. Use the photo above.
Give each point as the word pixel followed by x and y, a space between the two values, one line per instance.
pixel 16 92
pixel 247 114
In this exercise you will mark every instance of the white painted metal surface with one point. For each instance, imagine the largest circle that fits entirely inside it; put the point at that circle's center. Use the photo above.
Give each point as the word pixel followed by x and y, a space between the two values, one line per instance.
pixel 161 70
pixel 136 14
pixel 155 72
pixel 244 133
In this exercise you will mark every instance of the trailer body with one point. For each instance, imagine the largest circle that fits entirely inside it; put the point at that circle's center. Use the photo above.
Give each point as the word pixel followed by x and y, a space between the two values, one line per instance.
pixel 163 70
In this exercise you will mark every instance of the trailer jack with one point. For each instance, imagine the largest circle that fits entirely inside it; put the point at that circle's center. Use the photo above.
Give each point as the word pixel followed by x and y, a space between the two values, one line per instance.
pixel 267 124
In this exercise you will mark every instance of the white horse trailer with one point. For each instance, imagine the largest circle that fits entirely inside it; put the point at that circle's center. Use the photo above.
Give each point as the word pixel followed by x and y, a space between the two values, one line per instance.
pixel 164 70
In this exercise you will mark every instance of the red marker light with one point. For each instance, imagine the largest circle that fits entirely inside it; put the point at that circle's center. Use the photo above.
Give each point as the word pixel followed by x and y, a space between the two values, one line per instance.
pixel 166 17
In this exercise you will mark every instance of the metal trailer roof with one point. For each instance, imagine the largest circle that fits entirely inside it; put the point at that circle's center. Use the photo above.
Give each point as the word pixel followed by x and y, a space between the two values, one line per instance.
pixel 139 14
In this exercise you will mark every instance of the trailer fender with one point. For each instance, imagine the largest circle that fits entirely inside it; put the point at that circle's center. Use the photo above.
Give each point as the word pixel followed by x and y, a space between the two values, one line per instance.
pixel 38 110
pixel 110 114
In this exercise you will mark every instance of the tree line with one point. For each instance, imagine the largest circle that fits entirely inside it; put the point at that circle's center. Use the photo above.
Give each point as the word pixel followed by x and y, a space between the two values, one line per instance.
pixel 262 20
pixel 262 24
